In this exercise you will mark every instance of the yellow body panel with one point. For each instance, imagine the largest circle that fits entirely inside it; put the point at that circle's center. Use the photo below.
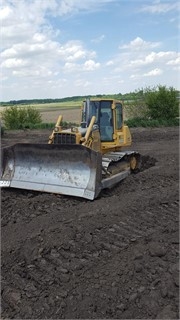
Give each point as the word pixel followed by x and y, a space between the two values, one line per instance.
pixel 121 138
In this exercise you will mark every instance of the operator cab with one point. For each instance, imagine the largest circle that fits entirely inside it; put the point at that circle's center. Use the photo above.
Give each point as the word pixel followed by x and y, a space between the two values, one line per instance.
pixel 102 110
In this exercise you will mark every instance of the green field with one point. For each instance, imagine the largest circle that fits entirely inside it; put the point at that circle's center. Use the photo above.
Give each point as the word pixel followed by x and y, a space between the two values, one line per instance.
pixel 64 105
pixel 49 106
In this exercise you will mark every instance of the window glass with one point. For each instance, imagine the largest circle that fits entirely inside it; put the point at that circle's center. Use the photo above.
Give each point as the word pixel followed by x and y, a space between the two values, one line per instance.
pixel 90 108
pixel 105 121
pixel 119 115
pixel 94 109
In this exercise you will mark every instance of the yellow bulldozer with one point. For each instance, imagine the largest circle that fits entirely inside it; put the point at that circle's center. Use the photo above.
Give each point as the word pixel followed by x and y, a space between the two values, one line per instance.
pixel 79 161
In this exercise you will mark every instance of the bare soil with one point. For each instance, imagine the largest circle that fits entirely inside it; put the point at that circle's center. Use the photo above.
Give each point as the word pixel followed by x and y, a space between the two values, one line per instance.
pixel 69 115
pixel 112 258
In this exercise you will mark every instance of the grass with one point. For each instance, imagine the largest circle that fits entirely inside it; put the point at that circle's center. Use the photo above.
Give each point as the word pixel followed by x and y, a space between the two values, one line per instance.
pixel 152 123
pixel 58 105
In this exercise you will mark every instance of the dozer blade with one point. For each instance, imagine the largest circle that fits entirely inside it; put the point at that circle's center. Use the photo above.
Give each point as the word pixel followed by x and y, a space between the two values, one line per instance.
pixel 65 169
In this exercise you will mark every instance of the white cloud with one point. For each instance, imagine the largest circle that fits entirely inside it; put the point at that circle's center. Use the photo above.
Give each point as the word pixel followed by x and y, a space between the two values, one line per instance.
pixel 174 62
pixel 135 76
pixel 31 49
pixel 98 39
pixel 66 7
pixel 110 63
pixel 38 57
pixel 91 65
pixel 70 67
pixel 133 58
pixel 139 44
pixel 74 50
pixel 22 19
pixel 82 83
pixel 145 67
pixel 5 12
pixel 154 72
pixel 158 7
pixel 42 72
pixel 14 63
pixel 153 57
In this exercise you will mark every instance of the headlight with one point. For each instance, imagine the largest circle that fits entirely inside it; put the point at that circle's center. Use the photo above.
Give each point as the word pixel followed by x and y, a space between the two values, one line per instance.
pixel 74 129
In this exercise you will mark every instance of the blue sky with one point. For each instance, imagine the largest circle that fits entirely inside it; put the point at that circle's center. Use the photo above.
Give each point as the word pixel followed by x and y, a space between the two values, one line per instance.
pixel 63 48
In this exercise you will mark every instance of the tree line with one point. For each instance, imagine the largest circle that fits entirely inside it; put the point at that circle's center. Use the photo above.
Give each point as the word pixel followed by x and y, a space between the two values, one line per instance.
pixel 139 94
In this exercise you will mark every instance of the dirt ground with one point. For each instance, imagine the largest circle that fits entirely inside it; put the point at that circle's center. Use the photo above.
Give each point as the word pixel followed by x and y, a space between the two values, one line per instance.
pixel 112 258
pixel 72 115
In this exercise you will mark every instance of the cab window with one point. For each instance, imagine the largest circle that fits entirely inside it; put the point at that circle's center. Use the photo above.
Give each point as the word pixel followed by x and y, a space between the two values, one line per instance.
pixel 105 120
pixel 119 116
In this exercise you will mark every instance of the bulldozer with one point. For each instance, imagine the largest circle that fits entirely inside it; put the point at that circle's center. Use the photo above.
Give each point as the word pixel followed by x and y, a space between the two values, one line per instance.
pixel 79 161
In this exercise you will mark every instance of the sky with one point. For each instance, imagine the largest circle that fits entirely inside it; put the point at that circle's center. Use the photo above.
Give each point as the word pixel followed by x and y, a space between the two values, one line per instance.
pixel 64 48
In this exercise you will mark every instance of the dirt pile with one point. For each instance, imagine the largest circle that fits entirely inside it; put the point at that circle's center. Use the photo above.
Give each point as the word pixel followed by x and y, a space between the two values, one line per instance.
pixel 115 257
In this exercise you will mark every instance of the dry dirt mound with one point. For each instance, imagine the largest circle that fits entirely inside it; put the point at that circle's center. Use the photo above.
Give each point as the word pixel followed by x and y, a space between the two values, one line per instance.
pixel 112 258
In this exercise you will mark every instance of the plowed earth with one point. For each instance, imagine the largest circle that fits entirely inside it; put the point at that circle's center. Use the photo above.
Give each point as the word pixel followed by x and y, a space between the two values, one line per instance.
pixel 112 258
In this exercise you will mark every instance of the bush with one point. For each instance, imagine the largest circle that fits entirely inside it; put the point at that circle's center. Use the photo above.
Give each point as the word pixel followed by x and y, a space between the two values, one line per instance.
pixel 142 122
pixel 162 102
pixel 50 125
pixel 43 125
pixel 135 109
pixel 20 118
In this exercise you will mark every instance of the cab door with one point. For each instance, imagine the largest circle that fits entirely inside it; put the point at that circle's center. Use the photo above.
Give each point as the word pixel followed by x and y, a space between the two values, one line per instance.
pixel 106 121
pixel 119 115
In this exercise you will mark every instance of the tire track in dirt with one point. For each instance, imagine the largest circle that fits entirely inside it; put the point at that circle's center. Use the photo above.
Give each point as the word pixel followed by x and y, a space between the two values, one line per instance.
pixel 121 234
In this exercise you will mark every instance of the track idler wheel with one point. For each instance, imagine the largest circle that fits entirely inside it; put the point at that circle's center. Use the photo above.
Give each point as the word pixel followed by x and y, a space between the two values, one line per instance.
pixel 135 163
